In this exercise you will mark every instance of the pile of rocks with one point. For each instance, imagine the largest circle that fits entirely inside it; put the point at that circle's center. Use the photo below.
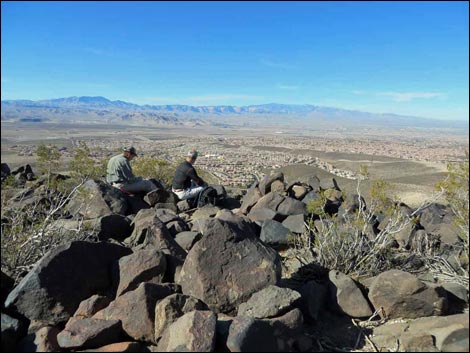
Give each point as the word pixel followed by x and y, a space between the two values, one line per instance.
pixel 164 279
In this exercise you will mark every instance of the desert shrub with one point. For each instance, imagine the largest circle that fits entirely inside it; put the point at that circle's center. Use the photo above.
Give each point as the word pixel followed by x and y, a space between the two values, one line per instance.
pixel 26 232
pixel 83 166
pixel 149 167
pixel 352 243
pixel 456 192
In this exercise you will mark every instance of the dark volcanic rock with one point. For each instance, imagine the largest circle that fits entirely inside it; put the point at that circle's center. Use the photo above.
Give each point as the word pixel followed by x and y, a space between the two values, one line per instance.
pixel 402 295
pixel 141 266
pixel 265 183
pixel 223 256
pixel 97 199
pixel 90 333
pixel 269 302
pixel 193 332
pixel 136 310
pixel 274 234
pixel 66 275
pixel 173 307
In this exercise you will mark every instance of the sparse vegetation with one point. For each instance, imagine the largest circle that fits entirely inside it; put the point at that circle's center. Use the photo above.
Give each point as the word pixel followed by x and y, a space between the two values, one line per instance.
pixel 148 167
pixel 26 228
pixel 83 166
pixel 456 191
pixel 48 160
pixel 353 242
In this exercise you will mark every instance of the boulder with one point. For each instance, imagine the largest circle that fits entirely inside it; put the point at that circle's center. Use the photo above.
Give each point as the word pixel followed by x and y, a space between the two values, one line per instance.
pixel 427 334
pixel 44 340
pixel 250 199
pixel 149 231
pixel 274 234
pixel 259 215
pixel 220 189
pixel 206 211
pixel 90 333
pixel 314 182
pixel 247 334
pixel 401 294
pixel 168 206
pixel 228 265
pixel 278 187
pixel 177 226
pixel 136 310
pixel 12 331
pixel 314 299
pixel 187 239
pixel 5 171
pixel 183 206
pixel 291 206
pixel 135 204
pixel 346 296
pixel 166 215
pixel 97 199
pixel 298 192
pixel 114 226
pixel 265 183
pixel 63 278
pixel 328 183
pixel 156 196
pixel 119 347
pixel 270 201
pixel 269 302
pixel 6 286
pixel 311 196
pixel 168 310
pixel 295 223
pixel 141 266
pixel 91 306
pixel 193 332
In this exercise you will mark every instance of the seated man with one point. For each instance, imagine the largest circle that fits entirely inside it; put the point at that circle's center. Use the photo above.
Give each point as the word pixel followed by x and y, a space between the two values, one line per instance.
pixel 119 174
pixel 186 183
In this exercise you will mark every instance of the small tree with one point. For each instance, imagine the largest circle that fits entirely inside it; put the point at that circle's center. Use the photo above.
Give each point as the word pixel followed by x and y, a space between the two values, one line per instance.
pixel 83 165
pixel 48 160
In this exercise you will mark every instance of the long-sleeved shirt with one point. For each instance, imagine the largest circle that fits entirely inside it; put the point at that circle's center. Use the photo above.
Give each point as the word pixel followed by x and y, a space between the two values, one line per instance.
pixel 119 170
pixel 183 176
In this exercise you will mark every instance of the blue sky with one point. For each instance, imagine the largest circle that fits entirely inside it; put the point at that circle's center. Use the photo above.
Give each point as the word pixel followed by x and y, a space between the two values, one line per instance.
pixel 399 57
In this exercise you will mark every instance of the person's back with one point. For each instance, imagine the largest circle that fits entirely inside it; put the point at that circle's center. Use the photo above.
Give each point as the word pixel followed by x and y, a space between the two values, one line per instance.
pixel 182 180
pixel 186 183
pixel 119 174
pixel 119 170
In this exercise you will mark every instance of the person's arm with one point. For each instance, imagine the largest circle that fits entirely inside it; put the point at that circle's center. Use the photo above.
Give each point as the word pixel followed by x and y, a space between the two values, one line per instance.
pixel 125 172
pixel 194 177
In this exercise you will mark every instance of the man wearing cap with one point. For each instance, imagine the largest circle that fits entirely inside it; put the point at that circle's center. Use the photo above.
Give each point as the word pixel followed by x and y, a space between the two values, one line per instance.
pixel 119 173
pixel 186 183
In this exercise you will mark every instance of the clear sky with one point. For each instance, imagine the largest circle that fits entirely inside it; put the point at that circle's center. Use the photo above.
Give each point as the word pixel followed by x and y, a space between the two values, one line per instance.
pixel 399 57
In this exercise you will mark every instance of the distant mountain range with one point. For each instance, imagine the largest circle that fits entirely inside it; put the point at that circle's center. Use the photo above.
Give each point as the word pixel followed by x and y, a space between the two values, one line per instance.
pixel 103 110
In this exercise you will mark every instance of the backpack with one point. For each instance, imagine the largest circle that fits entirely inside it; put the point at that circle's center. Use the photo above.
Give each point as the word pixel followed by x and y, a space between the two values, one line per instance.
pixel 208 196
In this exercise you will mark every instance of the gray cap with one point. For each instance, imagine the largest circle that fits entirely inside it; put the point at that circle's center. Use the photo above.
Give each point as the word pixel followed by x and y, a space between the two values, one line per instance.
pixel 131 150
pixel 193 154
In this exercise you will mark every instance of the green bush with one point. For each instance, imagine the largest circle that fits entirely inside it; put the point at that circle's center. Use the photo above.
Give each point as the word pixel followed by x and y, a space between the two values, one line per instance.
pixel 149 167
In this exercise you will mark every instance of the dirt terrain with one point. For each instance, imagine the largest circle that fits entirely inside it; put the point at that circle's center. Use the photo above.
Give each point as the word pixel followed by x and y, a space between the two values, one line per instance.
pixel 412 181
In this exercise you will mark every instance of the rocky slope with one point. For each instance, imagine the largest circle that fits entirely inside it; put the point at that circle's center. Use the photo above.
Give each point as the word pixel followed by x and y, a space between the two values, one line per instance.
pixel 164 277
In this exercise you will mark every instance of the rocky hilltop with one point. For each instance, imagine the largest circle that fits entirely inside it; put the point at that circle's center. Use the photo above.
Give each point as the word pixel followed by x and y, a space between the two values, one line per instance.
pixel 234 277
